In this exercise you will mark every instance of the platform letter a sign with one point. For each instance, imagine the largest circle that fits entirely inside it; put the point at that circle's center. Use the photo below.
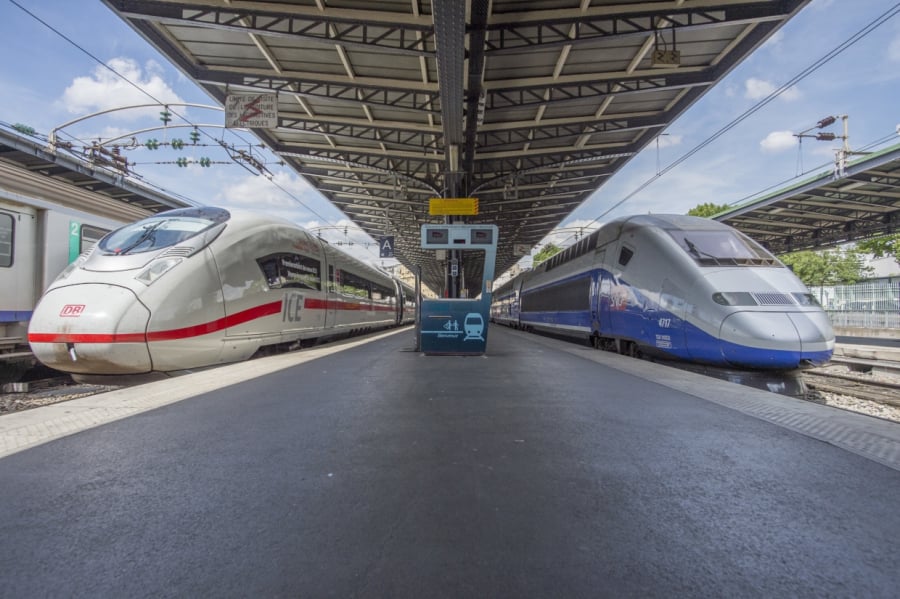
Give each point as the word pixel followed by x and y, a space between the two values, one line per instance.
pixel 387 247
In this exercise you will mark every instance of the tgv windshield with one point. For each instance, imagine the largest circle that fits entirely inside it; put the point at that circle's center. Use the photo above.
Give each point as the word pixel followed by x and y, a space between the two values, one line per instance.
pixel 161 231
pixel 717 248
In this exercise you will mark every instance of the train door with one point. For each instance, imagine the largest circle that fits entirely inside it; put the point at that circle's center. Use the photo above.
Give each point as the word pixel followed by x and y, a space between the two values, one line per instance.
pixel 597 290
pixel 400 300
pixel 330 298
pixel 667 327
pixel 18 285
pixel 622 305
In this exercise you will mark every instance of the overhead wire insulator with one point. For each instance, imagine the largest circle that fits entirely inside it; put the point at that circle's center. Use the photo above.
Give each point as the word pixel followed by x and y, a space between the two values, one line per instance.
pixel 165 116
pixel 182 162
pixel 195 136
pixel 828 120
pixel 826 136
pixel 205 162
pixel 152 144
pixel 177 144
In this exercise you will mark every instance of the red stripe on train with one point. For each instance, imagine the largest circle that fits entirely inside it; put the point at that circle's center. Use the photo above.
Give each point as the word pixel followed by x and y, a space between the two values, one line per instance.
pixel 196 330
pixel 217 325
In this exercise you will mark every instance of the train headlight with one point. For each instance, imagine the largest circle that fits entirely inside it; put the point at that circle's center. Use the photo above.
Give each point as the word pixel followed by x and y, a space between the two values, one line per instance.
pixel 156 269
pixel 734 298
pixel 806 299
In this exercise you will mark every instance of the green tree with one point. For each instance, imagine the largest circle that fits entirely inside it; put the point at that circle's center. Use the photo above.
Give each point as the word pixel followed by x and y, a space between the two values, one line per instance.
pixel 708 209
pixel 827 267
pixel 888 245
pixel 545 252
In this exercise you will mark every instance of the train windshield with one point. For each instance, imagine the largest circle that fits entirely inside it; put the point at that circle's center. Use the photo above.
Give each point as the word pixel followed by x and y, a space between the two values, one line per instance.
pixel 161 231
pixel 722 248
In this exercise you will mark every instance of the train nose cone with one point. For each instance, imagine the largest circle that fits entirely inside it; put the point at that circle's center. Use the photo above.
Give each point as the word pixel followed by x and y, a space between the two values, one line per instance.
pixel 760 340
pixel 91 329
pixel 816 336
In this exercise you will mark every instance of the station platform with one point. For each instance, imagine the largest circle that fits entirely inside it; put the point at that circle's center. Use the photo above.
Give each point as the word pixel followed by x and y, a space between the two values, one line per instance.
pixel 365 469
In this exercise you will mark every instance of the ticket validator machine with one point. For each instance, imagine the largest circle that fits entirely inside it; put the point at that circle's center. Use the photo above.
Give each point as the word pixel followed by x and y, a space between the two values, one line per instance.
pixel 459 326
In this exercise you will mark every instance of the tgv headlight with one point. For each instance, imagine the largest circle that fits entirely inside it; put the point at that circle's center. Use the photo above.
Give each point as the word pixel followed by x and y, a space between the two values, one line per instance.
pixel 156 269
pixel 734 298
pixel 806 299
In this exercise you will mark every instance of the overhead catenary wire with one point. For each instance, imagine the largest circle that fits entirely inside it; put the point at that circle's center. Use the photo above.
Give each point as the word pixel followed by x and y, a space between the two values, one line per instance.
pixel 160 102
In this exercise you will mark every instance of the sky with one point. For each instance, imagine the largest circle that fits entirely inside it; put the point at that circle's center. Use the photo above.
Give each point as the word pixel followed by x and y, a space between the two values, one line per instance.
pixel 52 74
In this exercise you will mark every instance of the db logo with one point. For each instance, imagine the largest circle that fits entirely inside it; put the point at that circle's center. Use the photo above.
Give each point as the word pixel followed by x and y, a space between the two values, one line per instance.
pixel 72 310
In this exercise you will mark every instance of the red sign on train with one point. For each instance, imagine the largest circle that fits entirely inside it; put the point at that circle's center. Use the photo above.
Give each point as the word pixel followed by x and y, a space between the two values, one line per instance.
pixel 72 310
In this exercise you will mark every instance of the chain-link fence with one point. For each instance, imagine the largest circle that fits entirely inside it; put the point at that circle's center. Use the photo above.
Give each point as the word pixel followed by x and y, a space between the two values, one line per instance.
pixel 871 304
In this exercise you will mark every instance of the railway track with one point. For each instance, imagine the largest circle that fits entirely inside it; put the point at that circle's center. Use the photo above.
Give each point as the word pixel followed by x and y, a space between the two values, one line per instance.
pixel 43 392
pixel 880 391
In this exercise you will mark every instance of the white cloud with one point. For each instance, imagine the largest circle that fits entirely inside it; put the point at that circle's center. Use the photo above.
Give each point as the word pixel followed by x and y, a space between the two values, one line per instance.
pixel 778 141
pixel 103 90
pixel 281 196
pixel 260 194
pixel 667 140
pixel 894 49
pixel 775 39
pixel 757 89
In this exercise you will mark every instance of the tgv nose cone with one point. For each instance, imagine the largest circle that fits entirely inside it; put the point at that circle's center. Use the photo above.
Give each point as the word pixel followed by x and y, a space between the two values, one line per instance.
pixel 816 336
pixel 91 328
pixel 776 339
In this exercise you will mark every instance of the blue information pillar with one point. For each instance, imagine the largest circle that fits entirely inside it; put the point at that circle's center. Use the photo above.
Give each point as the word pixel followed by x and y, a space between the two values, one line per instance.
pixel 459 326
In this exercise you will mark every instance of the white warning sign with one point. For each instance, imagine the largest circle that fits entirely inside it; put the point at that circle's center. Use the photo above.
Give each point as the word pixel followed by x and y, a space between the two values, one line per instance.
pixel 256 111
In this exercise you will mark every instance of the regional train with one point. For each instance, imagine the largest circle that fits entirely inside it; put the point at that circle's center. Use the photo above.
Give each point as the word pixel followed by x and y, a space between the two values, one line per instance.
pixel 202 286
pixel 673 287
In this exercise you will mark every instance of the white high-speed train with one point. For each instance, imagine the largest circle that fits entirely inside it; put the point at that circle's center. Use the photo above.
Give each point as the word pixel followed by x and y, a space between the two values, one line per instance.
pixel 677 287
pixel 196 287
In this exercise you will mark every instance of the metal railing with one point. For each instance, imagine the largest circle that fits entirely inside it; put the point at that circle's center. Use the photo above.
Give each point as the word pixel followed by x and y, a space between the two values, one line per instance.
pixel 870 304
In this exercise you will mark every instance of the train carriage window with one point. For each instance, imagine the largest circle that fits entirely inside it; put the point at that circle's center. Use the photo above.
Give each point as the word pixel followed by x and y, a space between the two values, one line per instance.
pixel 625 255
pixel 291 271
pixel 354 285
pixel 90 236
pixel 6 240
pixel 570 295
pixel 381 293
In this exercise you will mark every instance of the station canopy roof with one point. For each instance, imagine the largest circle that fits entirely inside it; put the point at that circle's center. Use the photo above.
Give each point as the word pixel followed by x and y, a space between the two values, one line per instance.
pixel 76 180
pixel 849 202
pixel 528 105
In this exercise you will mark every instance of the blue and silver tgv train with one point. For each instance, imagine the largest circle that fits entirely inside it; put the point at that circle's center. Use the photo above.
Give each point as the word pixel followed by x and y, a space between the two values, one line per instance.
pixel 675 287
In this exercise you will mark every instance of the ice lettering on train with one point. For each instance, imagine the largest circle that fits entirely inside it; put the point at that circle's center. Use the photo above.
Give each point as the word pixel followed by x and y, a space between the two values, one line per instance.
pixel 291 307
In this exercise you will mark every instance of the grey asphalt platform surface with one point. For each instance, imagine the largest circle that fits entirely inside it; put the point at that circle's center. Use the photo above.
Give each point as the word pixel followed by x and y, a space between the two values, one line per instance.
pixel 543 469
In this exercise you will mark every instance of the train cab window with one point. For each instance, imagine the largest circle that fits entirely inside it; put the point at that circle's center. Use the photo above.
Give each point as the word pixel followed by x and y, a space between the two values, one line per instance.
pixel 291 271
pixel 6 240
pixel 718 247
pixel 163 230
pixel 625 255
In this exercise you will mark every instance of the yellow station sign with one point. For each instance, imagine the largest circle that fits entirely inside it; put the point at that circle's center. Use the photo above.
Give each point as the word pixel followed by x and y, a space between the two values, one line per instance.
pixel 453 206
